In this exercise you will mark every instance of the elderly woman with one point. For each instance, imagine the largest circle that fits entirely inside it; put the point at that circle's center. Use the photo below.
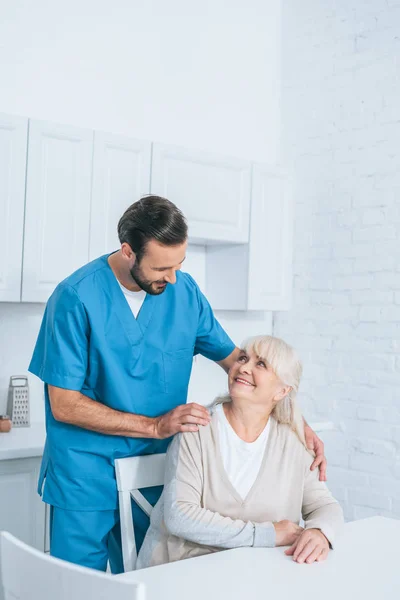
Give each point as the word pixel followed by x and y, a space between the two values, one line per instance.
pixel 245 479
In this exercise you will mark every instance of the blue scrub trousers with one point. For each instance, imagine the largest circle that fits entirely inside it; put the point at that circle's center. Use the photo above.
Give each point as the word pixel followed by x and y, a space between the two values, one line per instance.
pixel 91 538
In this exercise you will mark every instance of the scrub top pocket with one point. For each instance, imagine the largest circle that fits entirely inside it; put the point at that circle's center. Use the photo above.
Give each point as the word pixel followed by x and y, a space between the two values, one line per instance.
pixel 177 369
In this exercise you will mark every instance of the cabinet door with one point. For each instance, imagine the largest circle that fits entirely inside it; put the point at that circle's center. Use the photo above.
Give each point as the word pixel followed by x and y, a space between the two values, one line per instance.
pixel 22 512
pixel 121 175
pixel 271 240
pixel 47 528
pixel 213 192
pixel 257 276
pixel 57 206
pixel 13 140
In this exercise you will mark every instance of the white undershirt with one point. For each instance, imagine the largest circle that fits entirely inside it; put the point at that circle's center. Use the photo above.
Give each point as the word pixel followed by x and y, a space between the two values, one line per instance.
pixel 134 299
pixel 242 460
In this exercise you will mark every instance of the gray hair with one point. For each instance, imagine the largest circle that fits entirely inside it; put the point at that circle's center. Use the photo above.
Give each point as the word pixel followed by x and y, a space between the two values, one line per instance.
pixel 287 366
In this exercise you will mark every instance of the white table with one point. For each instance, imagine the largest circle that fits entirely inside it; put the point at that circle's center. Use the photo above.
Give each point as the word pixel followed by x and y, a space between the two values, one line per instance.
pixel 365 564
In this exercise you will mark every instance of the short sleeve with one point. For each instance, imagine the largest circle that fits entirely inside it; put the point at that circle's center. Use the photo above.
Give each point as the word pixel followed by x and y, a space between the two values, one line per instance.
pixel 60 357
pixel 212 341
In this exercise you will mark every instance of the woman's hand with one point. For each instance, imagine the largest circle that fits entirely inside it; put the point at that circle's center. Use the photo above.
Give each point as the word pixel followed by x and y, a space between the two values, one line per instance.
pixel 310 546
pixel 287 533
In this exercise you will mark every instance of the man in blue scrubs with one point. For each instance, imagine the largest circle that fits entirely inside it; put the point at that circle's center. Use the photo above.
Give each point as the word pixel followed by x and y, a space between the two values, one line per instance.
pixel 115 352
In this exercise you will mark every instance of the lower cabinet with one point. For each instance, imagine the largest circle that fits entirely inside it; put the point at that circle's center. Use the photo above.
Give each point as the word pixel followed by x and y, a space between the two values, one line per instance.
pixel 47 529
pixel 22 511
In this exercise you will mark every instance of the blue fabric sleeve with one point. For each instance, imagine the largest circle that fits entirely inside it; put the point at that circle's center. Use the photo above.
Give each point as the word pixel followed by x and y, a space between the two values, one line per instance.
pixel 212 341
pixel 60 357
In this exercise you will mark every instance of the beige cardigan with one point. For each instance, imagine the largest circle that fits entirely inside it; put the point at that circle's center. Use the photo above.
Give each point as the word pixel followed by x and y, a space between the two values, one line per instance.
pixel 200 511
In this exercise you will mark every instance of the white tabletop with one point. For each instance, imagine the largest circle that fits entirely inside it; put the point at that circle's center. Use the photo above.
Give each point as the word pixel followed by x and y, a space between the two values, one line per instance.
pixel 364 564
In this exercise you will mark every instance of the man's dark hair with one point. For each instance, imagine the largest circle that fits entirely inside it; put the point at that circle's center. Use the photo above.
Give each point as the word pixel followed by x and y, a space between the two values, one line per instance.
pixel 152 218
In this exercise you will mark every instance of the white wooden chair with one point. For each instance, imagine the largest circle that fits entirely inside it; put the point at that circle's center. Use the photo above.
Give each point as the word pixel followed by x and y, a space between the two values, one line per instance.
pixel 28 574
pixel 133 474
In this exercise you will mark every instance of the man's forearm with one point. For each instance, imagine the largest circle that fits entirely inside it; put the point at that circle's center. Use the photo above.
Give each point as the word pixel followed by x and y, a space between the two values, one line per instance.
pixel 76 409
pixel 229 360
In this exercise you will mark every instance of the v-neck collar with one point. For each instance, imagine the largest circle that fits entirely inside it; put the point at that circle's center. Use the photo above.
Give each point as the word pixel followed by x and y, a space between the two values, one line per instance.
pixel 228 483
pixel 232 433
pixel 133 327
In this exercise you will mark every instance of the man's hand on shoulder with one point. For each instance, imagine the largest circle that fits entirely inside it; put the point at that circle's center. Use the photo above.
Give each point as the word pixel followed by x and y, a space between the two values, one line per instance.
pixel 317 445
pixel 186 417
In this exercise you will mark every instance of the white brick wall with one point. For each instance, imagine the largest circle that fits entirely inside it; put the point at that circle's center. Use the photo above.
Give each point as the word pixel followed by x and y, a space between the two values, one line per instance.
pixel 341 132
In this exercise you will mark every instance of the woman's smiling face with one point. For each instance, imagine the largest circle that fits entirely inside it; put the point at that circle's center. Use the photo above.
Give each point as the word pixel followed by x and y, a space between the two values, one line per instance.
pixel 252 378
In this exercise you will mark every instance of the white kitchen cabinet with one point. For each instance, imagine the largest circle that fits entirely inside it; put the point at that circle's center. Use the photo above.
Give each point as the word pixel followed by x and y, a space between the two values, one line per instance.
pixel 57 210
pixel 13 141
pixel 271 247
pixel 213 192
pixel 121 175
pixel 63 190
pixel 22 512
pixel 257 276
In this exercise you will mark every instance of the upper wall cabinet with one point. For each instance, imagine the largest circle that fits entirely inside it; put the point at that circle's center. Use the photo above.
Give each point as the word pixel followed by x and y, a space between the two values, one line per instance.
pixel 63 190
pixel 13 140
pixel 213 192
pixel 257 276
pixel 121 175
pixel 271 247
pixel 57 206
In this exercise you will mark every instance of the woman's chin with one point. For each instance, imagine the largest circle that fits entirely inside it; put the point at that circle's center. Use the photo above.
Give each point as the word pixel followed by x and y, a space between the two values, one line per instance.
pixel 239 394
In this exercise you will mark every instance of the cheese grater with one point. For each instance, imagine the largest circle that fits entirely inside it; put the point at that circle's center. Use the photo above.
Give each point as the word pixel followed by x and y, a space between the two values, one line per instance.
pixel 18 401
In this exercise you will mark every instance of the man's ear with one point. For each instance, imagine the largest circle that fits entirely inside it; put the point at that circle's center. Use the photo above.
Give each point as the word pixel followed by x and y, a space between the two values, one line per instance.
pixel 127 252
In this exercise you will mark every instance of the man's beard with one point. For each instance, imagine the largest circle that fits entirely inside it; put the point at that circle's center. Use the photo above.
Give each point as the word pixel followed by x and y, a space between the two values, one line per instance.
pixel 145 284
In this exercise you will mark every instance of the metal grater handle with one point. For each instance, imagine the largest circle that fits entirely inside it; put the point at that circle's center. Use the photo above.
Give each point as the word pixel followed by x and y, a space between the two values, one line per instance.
pixel 18 377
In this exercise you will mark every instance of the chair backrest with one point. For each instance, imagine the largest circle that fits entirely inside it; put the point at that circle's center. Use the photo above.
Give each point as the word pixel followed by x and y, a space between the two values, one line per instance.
pixel 28 574
pixel 133 474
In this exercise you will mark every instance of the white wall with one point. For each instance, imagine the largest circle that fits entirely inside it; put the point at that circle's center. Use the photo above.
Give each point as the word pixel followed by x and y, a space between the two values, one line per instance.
pixel 341 117
pixel 198 74
pixel 209 380
pixel 19 326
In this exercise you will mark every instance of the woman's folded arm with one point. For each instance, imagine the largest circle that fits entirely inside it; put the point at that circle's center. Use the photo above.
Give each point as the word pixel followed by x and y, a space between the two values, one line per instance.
pixel 183 514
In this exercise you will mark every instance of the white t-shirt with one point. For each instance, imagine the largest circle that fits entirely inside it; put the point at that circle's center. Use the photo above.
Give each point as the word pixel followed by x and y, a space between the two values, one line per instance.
pixel 134 299
pixel 242 460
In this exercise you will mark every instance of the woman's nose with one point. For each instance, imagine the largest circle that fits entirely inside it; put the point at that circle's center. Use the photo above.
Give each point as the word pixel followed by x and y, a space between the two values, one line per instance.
pixel 245 368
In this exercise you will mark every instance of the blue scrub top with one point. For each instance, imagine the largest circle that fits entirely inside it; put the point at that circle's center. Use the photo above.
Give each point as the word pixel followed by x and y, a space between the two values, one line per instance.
pixel 90 341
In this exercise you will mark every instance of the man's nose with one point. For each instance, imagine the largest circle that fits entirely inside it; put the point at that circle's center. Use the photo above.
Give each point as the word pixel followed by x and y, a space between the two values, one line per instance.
pixel 171 277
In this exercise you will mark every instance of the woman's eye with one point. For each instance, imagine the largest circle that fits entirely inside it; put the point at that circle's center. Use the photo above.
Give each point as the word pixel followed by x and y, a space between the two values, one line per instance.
pixel 262 363
pixel 242 358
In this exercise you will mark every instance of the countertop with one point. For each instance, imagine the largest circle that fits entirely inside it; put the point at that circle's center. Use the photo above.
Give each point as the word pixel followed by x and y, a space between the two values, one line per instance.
pixel 28 442
pixel 23 442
